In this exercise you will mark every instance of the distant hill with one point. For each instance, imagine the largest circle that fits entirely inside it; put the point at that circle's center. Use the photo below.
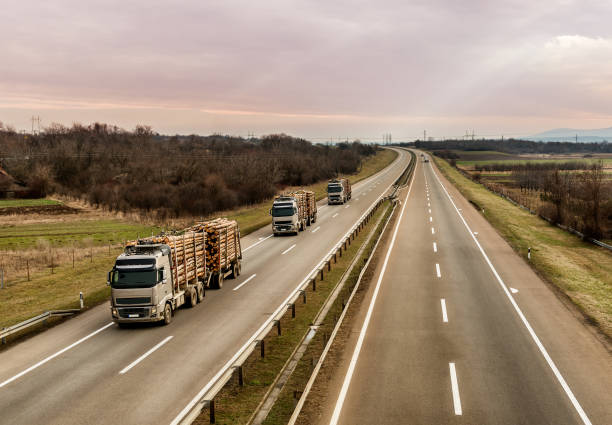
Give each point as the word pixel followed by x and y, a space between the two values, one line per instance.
pixel 569 135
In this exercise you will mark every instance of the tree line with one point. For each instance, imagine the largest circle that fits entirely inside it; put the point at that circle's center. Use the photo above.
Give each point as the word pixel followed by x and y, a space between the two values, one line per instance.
pixel 168 175
pixel 515 146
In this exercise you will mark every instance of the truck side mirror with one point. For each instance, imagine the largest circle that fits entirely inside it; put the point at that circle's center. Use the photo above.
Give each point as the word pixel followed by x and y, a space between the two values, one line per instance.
pixel 270 211
pixel 108 279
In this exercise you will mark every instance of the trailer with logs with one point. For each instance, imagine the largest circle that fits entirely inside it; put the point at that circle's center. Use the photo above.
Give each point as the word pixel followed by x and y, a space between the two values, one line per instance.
pixel 155 276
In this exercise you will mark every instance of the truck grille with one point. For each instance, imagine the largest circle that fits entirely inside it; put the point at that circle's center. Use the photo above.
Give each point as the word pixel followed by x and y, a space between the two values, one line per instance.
pixel 131 312
pixel 282 222
pixel 140 300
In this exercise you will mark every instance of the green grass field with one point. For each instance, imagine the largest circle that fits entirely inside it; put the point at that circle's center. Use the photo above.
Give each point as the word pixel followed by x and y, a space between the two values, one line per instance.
pixel 64 233
pixel 14 203
pixel 579 269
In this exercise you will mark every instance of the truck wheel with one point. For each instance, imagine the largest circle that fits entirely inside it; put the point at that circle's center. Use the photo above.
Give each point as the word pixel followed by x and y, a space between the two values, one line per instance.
pixel 192 299
pixel 200 292
pixel 239 267
pixel 167 314
pixel 220 280
pixel 235 271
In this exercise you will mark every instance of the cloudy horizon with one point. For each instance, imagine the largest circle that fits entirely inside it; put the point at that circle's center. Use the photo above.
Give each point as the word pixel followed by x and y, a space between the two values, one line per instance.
pixel 319 70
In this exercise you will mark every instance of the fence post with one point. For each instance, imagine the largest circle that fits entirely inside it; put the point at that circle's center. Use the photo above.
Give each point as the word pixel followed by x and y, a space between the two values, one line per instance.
pixel 81 299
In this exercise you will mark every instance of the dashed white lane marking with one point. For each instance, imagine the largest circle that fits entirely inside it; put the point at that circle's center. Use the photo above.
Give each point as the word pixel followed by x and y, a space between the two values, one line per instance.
pixel 514 291
pixel 335 215
pixel 288 249
pixel 444 315
pixel 51 357
pixel 519 312
pixel 245 282
pixel 435 247
pixel 428 204
pixel 316 230
pixel 438 270
pixel 455 389
pixel 430 219
pixel 257 243
pixel 347 206
pixel 430 211
pixel 145 355
pixel 433 232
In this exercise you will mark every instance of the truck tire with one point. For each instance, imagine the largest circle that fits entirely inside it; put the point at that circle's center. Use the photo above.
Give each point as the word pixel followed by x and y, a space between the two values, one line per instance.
pixel 235 271
pixel 239 267
pixel 167 315
pixel 217 281
pixel 220 280
pixel 192 298
pixel 200 291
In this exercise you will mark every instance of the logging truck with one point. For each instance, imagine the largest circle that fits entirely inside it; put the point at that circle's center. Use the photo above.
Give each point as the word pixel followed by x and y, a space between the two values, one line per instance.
pixel 155 276
pixel 338 191
pixel 292 212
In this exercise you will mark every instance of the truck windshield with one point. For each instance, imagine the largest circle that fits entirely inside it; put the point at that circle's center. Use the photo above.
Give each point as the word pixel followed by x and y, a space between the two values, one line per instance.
pixel 134 278
pixel 282 212
pixel 334 188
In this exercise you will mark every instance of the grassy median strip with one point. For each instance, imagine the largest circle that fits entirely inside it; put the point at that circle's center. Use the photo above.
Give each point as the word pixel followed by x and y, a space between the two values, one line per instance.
pixel 235 404
pixel 579 269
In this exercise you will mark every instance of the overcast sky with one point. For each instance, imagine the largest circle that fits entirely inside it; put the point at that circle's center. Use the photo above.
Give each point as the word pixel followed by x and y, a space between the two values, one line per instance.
pixel 316 69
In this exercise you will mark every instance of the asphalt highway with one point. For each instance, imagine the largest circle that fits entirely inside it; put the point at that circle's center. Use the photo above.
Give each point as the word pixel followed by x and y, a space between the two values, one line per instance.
pixel 89 371
pixel 457 329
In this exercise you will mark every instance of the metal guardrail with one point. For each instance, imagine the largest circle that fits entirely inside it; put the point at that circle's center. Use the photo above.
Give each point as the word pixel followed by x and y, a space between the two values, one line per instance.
pixel 35 320
pixel 206 397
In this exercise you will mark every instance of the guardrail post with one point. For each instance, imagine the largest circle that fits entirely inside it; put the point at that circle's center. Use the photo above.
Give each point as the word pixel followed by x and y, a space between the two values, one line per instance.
pixel 278 327
pixel 81 299
pixel 240 371
pixel 340 251
pixel 329 265
pixel 262 348
pixel 314 284
pixel 292 305
pixel 322 276
pixel 335 258
pixel 211 408
pixel 303 295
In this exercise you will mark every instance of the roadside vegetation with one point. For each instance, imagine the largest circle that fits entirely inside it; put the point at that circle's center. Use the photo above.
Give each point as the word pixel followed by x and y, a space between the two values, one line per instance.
pixel 165 176
pixel 580 270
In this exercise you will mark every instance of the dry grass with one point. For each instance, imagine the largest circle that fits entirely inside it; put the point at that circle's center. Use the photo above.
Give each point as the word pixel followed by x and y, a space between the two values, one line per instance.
pixel 579 269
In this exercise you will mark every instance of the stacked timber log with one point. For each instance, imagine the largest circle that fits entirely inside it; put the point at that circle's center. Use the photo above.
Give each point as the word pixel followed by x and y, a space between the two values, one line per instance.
pixel 188 254
pixel 311 202
pixel 222 243
pixel 302 204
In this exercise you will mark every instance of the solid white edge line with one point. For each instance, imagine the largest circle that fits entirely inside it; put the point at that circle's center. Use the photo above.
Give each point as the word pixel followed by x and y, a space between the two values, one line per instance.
pixel 349 373
pixel 289 249
pixel 63 350
pixel 257 243
pixel 455 389
pixel 435 247
pixel 177 420
pixel 532 333
pixel 438 270
pixel 244 283
pixel 145 355
pixel 315 230
pixel 444 315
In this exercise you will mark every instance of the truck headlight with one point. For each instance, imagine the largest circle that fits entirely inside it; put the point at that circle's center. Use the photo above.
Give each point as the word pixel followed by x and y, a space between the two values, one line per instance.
pixel 154 310
pixel 114 312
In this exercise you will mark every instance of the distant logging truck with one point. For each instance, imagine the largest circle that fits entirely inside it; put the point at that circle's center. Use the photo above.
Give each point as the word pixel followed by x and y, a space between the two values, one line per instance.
pixel 155 276
pixel 292 212
pixel 338 191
